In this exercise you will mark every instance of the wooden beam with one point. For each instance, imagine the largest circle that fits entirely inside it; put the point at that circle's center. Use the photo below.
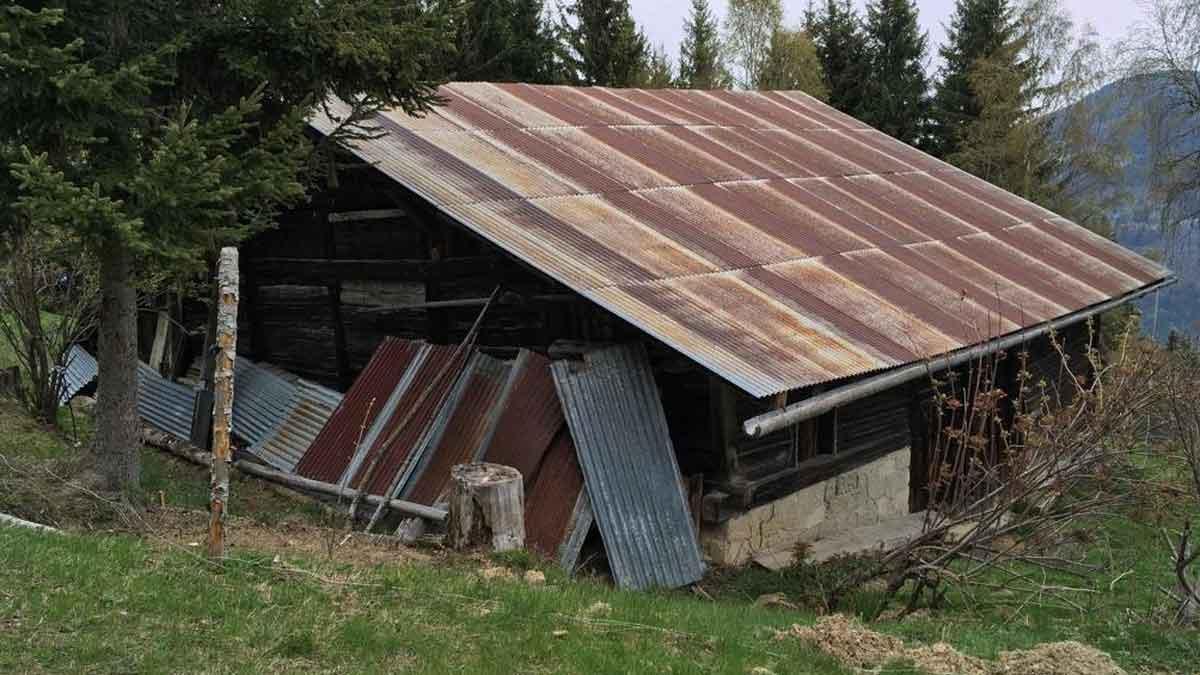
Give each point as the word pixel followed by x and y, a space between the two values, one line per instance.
pixel 184 450
pixel 510 299
pixel 318 271
pixel 370 214
pixel 334 288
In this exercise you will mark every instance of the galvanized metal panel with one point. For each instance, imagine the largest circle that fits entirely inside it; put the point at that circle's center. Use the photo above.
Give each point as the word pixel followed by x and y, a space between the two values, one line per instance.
pixel 79 370
pixel 163 404
pixel 633 483
pixel 628 196
pixel 278 415
pixel 261 400
pixel 530 417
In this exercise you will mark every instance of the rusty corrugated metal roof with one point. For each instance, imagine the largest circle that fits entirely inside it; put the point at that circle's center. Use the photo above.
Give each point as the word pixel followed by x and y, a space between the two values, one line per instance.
pixel 772 239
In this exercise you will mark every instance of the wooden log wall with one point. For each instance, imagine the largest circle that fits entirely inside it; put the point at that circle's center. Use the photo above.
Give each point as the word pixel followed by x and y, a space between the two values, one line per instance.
pixel 366 260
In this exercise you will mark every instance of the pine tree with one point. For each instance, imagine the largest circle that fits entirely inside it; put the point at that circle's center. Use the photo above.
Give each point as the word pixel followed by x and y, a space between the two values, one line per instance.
pixel 602 44
pixel 979 29
pixel 158 132
pixel 792 64
pixel 842 49
pixel 897 100
pixel 503 41
pixel 700 53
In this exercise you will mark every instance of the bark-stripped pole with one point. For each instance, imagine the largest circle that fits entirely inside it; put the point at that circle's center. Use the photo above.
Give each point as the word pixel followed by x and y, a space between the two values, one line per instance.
pixel 226 344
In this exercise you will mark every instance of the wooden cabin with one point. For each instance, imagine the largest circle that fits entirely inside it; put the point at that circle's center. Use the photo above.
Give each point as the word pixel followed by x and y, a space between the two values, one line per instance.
pixel 766 249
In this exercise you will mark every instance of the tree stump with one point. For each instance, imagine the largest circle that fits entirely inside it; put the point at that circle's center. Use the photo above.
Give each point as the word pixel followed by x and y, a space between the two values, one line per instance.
pixel 487 507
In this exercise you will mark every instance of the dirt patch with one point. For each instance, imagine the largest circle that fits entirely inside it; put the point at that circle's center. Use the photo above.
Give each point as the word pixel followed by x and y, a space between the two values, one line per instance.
pixel 856 646
pixel 188 528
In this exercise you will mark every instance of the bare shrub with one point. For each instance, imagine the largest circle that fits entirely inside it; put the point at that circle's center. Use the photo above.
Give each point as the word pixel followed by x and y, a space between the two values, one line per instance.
pixel 1182 410
pixel 1016 466
pixel 48 299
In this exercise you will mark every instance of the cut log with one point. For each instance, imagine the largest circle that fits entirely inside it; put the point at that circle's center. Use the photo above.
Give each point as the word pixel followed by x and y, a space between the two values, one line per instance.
pixel 184 450
pixel 487 507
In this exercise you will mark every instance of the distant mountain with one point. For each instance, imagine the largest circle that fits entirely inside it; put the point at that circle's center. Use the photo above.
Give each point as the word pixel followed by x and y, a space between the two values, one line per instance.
pixel 1136 109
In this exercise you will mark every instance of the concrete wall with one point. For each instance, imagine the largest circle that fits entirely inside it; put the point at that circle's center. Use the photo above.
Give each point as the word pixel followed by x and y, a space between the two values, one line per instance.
pixel 858 498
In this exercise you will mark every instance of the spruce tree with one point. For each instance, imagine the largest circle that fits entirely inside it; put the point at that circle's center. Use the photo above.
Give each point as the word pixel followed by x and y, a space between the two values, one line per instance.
pixel 979 29
pixel 158 132
pixel 503 41
pixel 897 100
pixel 842 49
pixel 700 53
pixel 603 45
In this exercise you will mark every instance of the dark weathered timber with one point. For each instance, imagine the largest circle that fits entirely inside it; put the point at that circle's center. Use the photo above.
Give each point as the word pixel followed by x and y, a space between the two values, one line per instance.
pixel 508 299
pixel 369 214
pixel 334 287
pixel 316 271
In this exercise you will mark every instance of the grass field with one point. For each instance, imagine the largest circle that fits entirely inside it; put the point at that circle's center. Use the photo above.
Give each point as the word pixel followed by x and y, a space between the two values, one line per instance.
pixel 108 598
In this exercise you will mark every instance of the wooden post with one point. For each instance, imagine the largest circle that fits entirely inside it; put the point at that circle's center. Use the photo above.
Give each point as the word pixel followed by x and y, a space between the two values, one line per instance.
pixel 162 329
pixel 487 507
pixel 227 298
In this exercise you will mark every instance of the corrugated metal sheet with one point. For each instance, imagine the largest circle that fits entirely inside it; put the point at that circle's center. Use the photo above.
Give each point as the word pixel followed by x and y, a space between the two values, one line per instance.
pixel 261 400
pixel 79 371
pixel 390 460
pixel 681 211
pixel 278 415
pixel 467 415
pixel 529 433
pixel 633 483
pixel 163 404
pixel 335 444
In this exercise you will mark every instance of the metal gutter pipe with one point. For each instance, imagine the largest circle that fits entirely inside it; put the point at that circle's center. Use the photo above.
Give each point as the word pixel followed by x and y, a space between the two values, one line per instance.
pixel 800 411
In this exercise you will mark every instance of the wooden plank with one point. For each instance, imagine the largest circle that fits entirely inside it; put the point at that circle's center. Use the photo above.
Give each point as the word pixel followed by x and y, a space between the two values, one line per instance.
pixel 370 214
pixel 317 271
pixel 335 311
pixel 161 329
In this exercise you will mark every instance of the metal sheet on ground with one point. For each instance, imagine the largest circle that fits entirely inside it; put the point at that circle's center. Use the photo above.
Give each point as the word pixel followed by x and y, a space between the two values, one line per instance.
pixel 633 483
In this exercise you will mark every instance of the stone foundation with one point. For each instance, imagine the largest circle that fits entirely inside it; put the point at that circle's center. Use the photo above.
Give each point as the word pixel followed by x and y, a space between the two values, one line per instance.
pixel 858 498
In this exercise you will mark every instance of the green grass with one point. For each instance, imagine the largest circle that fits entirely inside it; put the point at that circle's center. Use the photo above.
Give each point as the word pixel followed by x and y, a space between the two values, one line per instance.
pixel 124 603
pixel 1124 612
pixel 118 604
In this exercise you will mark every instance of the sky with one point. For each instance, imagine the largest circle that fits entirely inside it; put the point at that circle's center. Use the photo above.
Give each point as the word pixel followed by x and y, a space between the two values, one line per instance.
pixel 663 20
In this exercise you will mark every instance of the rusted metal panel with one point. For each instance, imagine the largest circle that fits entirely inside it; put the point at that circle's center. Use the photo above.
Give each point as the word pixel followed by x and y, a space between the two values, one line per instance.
pixel 468 421
pixel 335 445
pixel 552 498
pixel 385 461
pixel 630 196
pixel 530 418
pixel 625 454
